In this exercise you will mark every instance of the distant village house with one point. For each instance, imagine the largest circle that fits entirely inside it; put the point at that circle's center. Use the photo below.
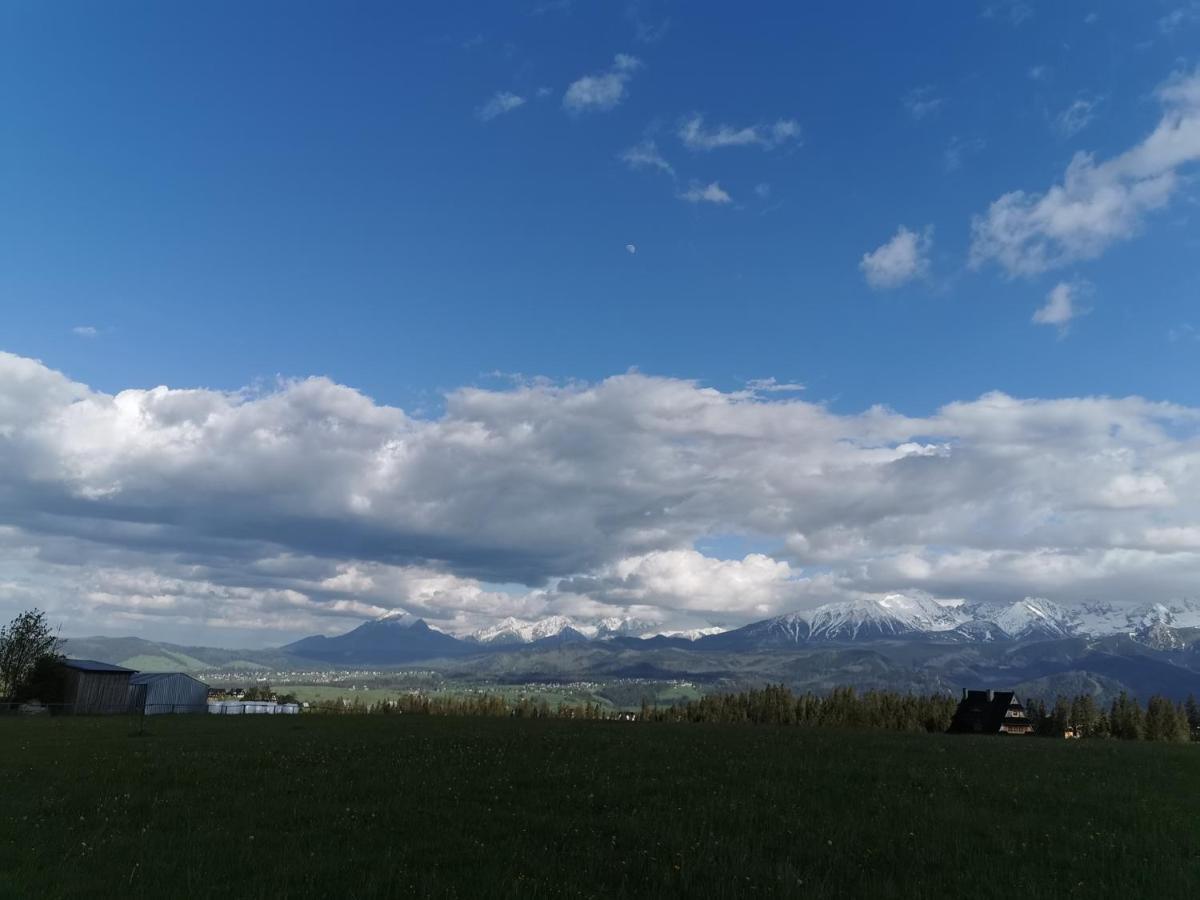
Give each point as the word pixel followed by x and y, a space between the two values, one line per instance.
pixel 990 712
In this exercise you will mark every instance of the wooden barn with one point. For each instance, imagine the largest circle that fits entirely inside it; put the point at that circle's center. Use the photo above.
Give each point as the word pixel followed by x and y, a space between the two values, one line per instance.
pixel 92 687
pixel 158 693
pixel 990 712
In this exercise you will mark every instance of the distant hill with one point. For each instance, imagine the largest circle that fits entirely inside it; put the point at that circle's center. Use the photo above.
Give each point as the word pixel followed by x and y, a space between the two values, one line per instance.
pixel 388 641
pixel 152 656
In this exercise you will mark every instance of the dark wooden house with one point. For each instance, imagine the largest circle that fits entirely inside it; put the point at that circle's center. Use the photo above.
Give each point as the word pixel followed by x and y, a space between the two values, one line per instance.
pixel 990 712
pixel 92 687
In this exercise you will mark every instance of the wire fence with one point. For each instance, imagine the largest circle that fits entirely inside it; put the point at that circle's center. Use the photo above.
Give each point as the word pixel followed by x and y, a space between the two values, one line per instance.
pixel 224 707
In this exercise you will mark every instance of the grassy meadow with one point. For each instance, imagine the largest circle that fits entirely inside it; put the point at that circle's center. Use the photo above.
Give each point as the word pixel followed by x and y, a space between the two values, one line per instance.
pixel 370 806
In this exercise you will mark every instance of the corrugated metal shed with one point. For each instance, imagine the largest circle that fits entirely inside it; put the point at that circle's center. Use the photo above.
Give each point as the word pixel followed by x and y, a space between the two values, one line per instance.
pixel 95 687
pixel 167 692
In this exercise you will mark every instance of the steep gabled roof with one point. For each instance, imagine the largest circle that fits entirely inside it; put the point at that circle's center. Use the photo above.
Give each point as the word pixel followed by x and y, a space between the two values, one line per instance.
pixel 982 711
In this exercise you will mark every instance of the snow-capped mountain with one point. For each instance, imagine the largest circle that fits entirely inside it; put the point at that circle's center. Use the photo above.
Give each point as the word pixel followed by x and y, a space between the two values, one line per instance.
pixel 691 634
pixel 526 631
pixel 851 620
pixel 892 615
pixel 863 619
pixel 900 616
pixel 1034 617
pixel 521 631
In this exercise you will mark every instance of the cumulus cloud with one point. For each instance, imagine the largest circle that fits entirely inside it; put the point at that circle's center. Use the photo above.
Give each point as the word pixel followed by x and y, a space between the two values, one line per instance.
pixel 695 137
pixel 1062 305
pixel 603 91
pixel 1097 203
pixel 500 103
pixel 307 505
pixel 631 249
pixel 645 155
pixel 87 331
pixel 706 193
pixel 902 259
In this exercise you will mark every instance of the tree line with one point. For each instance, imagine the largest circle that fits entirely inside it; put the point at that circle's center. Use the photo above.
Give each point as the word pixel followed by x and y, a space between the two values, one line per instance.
pixel 844 707
pixel 1124 718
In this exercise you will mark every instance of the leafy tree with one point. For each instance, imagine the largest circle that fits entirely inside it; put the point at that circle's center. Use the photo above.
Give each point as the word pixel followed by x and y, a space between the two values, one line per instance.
pixel 1165 721
pixel 1085 717
pixel 23 642
pixel 1126 719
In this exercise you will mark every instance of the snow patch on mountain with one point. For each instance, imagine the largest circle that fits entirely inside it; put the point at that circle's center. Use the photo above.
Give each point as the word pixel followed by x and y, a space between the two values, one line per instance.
pixel 521 631
pixel 691 634
pixel 1034 616
pixel 870 617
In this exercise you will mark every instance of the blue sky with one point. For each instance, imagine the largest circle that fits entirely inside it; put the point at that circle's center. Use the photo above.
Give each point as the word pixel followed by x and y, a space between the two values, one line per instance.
pixel 390 263
pixel 237 191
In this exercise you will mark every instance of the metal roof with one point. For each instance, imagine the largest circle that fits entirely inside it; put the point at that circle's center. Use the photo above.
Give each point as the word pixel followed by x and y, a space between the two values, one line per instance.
pixel 91 665
pixel 148 677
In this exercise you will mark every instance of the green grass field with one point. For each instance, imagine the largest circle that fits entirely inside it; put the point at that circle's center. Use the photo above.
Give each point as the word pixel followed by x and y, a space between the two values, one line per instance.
pixel 324 806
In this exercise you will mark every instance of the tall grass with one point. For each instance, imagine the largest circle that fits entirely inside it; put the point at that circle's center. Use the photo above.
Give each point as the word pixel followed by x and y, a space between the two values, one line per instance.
pixel 316 806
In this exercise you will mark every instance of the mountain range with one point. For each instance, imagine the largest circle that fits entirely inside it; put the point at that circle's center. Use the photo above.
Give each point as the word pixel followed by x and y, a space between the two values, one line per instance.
pixel 899 642
pixel 872 619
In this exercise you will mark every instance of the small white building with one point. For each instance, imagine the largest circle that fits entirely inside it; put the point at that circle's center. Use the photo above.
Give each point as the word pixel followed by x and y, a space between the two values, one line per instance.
pixel 159 693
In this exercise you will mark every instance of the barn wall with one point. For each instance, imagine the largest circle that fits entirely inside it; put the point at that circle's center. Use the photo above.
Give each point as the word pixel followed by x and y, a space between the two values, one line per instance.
pixel 97 692
pixel 171 693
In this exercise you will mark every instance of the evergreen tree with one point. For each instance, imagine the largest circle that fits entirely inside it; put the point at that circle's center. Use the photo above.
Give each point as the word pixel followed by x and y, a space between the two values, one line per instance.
pixel 1126 719
pixel 1084 715
pixel 1192 711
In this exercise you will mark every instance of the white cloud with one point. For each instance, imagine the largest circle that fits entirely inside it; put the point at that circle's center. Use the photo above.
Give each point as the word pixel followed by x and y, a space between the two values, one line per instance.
pixel 1062 305
pixel 602 91
pixel 645 155
pixel 923 102
pixel 307 506
pixel 695 137
pixel 772 386
pixel 631 249
pixel 87 331
pixel 1178 17
pixel 500 103
pixel 1017 12
pixel 1077 116
pixel 958 149
pixel 902 259
pixel 1098 203
pixel 762 190
pixel 1039 72
pixel 706 193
